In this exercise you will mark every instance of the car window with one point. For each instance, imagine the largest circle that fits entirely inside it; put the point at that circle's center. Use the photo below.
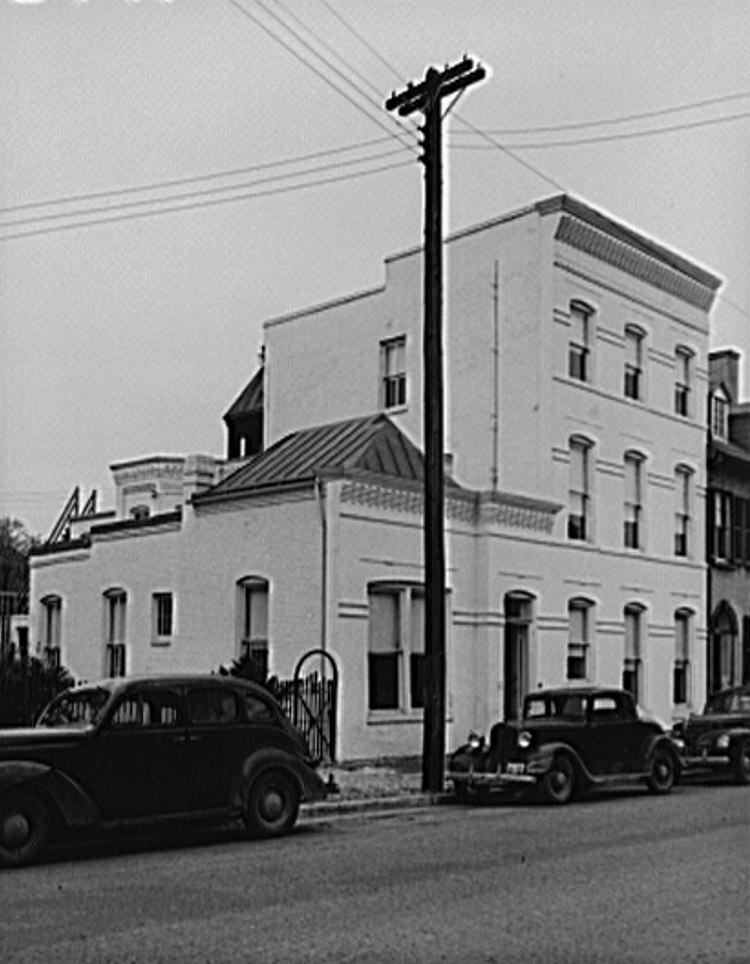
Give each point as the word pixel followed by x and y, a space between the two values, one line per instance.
pixel 537 708
pixel 81 707
pixel 744 702
pixel 605 708
pixel 256 708
pixel 573 708
pixel 148 708
pixel 211 705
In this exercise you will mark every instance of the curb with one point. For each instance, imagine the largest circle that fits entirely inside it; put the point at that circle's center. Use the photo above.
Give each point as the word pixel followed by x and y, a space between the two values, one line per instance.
pixel 373 805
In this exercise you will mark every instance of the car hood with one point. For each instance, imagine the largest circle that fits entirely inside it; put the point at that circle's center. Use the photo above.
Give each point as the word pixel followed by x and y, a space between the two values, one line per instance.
pixel 715 721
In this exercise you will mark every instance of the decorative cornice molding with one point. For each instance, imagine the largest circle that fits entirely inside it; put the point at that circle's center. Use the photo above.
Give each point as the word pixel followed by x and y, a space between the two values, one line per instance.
pixel 619 254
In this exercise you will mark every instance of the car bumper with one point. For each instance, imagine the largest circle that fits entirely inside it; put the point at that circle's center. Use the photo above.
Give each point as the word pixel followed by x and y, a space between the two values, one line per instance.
pixel 702 761
pixel 492 780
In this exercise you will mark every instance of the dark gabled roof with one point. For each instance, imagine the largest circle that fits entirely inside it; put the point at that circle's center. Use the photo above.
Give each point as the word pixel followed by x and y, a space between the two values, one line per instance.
pixel 250 399
pixel 371 446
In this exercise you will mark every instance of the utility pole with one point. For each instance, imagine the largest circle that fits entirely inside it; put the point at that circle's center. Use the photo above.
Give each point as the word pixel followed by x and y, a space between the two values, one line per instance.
pixel 426 97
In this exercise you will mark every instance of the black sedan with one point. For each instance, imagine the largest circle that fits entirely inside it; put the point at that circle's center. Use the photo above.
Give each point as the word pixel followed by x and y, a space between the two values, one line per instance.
pixel 135 750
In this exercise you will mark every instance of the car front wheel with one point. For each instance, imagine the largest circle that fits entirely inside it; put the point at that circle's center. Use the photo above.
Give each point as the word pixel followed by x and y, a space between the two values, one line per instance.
pixel 273 805
pixel 741 763
pixel 559 781
pixel 661 773
pixel 24 827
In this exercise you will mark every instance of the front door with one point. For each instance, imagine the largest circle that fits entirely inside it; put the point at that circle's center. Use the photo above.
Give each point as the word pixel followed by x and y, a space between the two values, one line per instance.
pixel 515 654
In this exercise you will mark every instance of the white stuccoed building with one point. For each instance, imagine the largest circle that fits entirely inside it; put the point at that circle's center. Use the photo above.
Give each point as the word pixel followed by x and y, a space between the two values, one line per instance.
pixel 576 384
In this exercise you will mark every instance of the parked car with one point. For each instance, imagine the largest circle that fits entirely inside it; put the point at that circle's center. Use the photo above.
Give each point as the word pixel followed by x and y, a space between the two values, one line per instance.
pixel 142 749
pixel 719 738
pixel 568 741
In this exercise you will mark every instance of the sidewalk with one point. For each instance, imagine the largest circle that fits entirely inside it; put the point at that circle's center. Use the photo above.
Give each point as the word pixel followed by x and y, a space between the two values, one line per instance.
pixel 374 785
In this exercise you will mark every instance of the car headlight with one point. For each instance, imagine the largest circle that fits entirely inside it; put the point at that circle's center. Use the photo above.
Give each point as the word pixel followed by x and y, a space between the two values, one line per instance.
pixel 525 739
pixel 722 742
pixel 476 742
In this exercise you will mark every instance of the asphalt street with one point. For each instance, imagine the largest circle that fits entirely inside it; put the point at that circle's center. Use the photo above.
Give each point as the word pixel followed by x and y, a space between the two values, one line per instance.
pixel 625 877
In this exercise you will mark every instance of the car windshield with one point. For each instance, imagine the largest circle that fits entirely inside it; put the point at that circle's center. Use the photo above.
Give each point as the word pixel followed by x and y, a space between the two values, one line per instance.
pixel 560 706
pixel 728 702
pixel 75 708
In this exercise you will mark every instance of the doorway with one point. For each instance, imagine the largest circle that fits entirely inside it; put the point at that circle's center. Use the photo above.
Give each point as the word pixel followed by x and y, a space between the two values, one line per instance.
pixel 517 609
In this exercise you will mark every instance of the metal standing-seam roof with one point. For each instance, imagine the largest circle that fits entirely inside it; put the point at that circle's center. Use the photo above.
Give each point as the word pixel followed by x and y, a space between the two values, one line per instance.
pixel 370 444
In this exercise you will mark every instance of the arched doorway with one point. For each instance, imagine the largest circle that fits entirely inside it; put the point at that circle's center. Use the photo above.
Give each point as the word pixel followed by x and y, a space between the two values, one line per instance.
pixel 517 609
pixel 723 656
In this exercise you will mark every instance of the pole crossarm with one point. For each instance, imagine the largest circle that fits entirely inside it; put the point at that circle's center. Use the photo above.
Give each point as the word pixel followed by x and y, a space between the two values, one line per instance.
pixel 417 96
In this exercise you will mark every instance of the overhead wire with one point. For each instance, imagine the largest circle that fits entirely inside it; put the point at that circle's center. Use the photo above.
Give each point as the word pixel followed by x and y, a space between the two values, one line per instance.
pixel 319 73
pixel 195 179
pixel 195 205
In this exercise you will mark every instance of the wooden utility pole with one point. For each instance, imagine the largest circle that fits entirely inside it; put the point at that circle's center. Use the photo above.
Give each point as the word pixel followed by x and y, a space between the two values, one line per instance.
pixel 426 97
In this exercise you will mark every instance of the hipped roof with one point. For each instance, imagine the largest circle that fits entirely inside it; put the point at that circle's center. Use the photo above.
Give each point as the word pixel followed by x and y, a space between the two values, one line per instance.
pixel 370 445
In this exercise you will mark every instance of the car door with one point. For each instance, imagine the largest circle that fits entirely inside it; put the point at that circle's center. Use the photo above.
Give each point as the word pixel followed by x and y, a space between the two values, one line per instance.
pixel 217 742
pixel 610 740
pixel 141 754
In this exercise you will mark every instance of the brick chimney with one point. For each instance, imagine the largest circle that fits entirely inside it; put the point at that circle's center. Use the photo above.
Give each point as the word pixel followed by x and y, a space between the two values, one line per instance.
pixel 724 368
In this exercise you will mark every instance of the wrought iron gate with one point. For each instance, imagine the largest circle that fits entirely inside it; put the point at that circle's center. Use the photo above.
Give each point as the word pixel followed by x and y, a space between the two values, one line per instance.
pixel 310 702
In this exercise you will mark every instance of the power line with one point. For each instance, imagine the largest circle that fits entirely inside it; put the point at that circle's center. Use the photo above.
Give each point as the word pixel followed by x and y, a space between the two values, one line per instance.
pixel 319 73
pixel 362 40
pixel 202 204
pixel 189 195
pixel 626 118
pixel 506 150
pixel 604 138
pixel 196 179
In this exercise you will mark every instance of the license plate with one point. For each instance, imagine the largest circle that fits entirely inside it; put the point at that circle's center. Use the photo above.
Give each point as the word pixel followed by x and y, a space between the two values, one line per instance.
pixel 516 768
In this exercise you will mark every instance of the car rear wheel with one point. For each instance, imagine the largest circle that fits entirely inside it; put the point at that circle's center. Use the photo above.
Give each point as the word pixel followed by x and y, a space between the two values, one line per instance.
pixel 661 772
pixel 273 805
pixel 741 763
pixel 558 784
pixel 24 827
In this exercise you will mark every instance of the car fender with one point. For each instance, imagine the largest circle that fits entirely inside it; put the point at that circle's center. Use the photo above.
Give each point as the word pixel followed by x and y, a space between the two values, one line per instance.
pixel 541 760
pixel 64 794
pixel 658 740
pixel 308 781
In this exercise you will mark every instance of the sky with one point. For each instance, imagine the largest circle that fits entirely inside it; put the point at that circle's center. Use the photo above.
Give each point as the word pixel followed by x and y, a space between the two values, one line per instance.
pixel 173 174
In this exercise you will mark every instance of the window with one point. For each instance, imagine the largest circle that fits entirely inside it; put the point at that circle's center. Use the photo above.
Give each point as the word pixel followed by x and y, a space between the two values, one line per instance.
pixel 115 602
pixel 253 622
pixel 578 491
pixel 209 706
pixel 150 707
pixel 52 630
pixel 682 389
pixel 162 615
pixel 393 372
pixel 633 507
pixel 719 415
pixel 682 511
pixel 721 523
pixel 578 346
pixel 578 639
pixel 631 672
pixel 633 363
pixel 681 678
pixel 395 659
pixel 741 531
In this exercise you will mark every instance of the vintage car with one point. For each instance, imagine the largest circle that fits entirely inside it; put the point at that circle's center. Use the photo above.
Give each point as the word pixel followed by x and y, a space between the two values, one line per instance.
pixel 129 750
pixel 719 738
pixel 568 741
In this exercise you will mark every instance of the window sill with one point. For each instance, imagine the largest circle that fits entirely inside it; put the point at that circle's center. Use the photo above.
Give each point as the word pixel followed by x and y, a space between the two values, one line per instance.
pixel 395 409
pixel 162 641
pixel 389 717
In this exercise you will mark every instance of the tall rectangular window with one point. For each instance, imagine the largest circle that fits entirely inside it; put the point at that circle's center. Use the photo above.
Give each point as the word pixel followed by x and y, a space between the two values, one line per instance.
pixel 253 623
pixel 633 363
pixel 578 345
pixel 719 416
pixel 631 672
pixel 578 641
pixel 162 617
pixel 52 629
pixel 393 372
pixel 682 389
pixel 680 676
pixel 578 491
pixel 633 507
pixel 722 524
pixel 115 602
pixel 395 659
pixel 682 512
